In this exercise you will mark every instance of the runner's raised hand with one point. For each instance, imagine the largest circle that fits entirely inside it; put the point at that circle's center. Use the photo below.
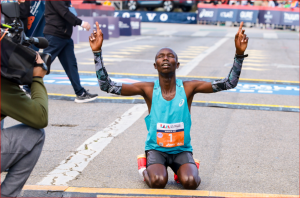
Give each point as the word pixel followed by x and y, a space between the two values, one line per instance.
pixel 241 40
pixel 96 39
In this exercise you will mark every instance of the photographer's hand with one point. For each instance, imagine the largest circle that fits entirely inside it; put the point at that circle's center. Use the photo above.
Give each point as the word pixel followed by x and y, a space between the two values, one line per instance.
pixel 38 71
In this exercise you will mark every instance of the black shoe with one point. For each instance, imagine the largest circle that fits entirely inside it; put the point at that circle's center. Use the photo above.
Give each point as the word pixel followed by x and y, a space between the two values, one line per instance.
pixel 86 97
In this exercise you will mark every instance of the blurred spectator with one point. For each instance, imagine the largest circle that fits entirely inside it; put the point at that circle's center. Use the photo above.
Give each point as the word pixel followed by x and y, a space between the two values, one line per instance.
pixel 92 1
pixel 225 2
pixel 294 4
pixel 250 2
pixel 271 3
pixel 244 2
pixel 276 3
pixel 210 2
pixel 287 4
pixel 234 2
pixel 107 3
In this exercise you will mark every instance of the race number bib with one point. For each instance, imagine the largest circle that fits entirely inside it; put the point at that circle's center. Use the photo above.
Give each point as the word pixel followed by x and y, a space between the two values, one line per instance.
pixel 170 135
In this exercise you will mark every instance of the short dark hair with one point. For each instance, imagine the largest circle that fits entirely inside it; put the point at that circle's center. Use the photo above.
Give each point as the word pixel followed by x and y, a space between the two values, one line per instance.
pixel 167 48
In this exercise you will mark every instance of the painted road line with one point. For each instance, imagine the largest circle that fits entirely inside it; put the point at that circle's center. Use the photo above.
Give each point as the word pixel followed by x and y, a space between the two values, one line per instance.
pixel 123 59
pixel 270 35
pixel 77 191
pixel 230 34
pixel 133 75
pixel 202 33
pixel 195 62
pixel 140 100
pixel 167 33
pixel 110 44
pixel 242 87
pixel 75 163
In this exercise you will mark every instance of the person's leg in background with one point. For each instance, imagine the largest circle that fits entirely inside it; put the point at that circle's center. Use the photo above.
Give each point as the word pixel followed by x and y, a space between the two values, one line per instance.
pixel 21 147
pixel 69 63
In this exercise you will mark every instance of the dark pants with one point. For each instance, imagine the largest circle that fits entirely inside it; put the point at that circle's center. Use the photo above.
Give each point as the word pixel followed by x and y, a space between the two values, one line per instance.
pixel 64 49
pixel 21 147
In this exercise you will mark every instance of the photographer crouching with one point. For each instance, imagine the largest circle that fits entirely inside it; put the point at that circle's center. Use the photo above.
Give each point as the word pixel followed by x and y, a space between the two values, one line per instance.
pixel 21 145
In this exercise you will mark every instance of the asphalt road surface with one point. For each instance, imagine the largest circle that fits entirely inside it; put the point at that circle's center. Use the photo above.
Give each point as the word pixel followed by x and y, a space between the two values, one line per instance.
pixel 247 151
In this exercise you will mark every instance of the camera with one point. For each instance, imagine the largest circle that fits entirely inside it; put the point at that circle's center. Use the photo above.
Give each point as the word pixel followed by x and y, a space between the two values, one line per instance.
pixel 17 58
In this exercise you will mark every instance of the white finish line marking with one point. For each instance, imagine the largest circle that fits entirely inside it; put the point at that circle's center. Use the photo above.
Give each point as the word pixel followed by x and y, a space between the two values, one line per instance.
pixel 193 63
pixel 270 35
pixel 167 33
pixel 203 33
pixel 68 169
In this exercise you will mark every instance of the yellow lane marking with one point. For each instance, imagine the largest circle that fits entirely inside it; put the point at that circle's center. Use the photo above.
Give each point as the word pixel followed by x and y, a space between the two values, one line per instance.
pixel 51 188
pixel 186 56
pixel 183 61
pixel 120 191
pixel 156 75
pixel 254 61
pixel 133 50
pixel 212 102
pixel 121 53
pixel 255 65
pixel 246 104
pixel 250 68
pixel 197 47
pixel 91 63
pixel 256 57
pixel 100 97
pixel 146 45
pixel 114 56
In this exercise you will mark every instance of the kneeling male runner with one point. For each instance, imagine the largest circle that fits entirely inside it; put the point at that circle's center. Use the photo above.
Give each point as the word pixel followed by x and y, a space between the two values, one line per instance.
pixel 169 102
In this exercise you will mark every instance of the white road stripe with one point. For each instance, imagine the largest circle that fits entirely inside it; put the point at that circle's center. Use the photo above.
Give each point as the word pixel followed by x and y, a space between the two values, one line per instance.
pixel 270 35
pixel 243 90
pixel 193 63
pixel 230 35
pixel 167 33
pixel 75 163
pixel 110 44
pixel 202 33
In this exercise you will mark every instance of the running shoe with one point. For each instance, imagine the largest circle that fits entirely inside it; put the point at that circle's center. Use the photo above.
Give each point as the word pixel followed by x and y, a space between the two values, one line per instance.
pixel 197 162
pixel 86 97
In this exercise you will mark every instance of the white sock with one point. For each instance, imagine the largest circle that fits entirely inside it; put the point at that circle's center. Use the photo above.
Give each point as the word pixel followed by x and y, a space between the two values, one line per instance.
pixel 141 170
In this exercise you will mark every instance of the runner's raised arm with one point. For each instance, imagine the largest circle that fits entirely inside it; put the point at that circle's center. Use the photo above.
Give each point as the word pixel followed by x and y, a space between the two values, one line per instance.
pixel 231 81
pixel 105 83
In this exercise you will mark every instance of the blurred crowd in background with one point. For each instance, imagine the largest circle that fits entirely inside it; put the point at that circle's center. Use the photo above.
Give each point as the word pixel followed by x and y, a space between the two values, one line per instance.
pixel 266 3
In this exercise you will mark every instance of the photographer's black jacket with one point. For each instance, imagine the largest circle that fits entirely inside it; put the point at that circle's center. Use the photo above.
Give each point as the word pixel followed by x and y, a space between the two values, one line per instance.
pixel 59 20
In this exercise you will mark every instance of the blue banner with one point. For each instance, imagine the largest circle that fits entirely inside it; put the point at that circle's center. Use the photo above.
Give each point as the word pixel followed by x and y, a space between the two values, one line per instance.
pixel 207 14
pixel 247 16
pixel 289 18
pixel 125 26
pixel 227 15
pixel 269 17
pixel 162 17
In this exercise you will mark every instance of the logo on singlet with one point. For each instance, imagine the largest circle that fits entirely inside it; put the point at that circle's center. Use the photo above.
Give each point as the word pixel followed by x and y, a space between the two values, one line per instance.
pixel 181 102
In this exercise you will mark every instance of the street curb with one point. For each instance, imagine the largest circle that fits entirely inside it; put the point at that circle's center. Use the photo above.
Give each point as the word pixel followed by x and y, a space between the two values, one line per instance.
pixel 66 191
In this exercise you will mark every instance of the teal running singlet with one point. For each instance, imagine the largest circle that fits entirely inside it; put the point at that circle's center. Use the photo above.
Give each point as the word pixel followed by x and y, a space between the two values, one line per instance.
pixel 169 122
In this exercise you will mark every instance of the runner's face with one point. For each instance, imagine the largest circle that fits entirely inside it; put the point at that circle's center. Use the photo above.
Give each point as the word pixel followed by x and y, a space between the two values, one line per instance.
pixel 166 61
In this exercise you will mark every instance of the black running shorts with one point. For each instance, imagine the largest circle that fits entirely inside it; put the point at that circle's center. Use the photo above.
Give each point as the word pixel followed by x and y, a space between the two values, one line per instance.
pixel 174 161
